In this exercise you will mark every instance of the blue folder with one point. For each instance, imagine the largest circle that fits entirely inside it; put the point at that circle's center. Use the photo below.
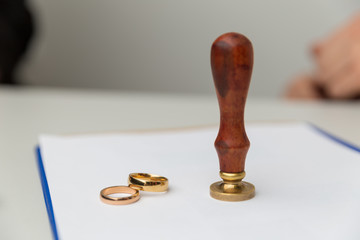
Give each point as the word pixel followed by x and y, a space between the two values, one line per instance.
pixel 47 196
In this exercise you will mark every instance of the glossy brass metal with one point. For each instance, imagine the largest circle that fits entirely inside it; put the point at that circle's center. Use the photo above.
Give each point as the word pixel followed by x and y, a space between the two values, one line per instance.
pixel 232 188
pixel 148 182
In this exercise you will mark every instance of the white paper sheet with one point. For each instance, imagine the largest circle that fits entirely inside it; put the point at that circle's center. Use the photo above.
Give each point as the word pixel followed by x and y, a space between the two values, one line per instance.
pixel 307 186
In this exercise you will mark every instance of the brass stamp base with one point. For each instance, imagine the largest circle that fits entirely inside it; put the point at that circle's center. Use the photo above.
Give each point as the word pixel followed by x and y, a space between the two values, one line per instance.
pixel 232 189
pixel 239 191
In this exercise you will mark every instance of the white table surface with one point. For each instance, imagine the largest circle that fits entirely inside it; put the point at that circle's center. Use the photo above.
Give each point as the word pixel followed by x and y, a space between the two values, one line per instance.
pixel 27 112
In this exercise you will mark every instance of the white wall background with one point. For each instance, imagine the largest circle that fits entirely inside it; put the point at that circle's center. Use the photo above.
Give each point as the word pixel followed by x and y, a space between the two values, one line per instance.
pixel 164 45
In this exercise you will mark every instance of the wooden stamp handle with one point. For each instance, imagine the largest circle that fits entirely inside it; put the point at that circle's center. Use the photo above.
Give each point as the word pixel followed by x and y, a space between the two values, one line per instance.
pixel 232 63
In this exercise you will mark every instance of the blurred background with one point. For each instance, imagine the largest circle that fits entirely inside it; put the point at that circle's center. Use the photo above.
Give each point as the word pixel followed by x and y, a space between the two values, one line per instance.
pixel 164 45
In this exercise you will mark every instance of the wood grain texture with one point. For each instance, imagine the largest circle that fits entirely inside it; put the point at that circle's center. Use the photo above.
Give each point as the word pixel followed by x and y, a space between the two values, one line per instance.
pixel 232 63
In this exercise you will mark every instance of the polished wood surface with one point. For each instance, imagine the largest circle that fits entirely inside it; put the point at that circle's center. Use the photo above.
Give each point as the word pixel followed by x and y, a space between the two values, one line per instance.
pixel 232 63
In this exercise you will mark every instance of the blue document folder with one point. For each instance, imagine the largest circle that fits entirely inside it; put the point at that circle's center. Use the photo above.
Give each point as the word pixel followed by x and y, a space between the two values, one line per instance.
pixel 47 195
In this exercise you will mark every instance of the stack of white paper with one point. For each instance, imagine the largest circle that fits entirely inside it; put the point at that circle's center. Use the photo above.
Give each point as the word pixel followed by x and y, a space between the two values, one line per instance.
pixel 307 186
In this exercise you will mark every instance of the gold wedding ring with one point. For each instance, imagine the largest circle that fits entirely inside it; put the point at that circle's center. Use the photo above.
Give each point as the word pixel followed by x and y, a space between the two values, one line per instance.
pixel 148 182
pixel 137 181
pixel 106 198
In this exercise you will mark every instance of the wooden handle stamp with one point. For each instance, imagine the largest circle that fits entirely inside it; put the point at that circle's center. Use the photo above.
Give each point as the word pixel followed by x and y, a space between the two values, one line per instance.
pixel 231 64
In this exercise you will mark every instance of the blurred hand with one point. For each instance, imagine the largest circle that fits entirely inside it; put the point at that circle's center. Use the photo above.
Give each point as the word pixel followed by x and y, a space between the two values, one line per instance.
pixel 337 61
pixel 303 87
pixel 337 70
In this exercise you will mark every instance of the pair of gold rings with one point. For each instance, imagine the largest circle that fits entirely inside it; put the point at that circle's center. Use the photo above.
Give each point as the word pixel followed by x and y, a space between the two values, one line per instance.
pixel 137 181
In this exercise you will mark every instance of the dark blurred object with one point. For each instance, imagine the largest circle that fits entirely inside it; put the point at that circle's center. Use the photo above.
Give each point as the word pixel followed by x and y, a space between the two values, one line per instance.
pixel 16 30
